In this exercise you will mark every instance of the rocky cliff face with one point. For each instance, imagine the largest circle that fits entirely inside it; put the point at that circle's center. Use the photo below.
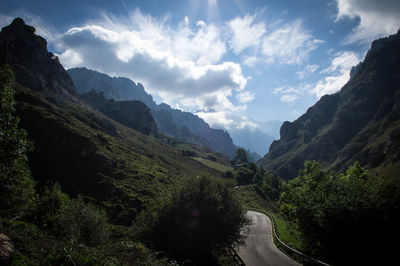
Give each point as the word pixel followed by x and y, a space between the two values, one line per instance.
pixel 184 126
pixel 359 123
pixel 32 64
pixel 133 114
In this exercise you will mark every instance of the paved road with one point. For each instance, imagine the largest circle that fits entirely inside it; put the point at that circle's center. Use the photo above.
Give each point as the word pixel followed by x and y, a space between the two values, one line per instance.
pixel 260 249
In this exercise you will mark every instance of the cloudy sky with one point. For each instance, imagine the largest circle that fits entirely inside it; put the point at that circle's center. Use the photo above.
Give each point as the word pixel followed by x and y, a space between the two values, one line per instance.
pixel 229 61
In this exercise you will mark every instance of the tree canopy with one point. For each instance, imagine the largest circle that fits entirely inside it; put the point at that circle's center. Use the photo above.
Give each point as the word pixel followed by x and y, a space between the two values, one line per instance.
pixel 345 218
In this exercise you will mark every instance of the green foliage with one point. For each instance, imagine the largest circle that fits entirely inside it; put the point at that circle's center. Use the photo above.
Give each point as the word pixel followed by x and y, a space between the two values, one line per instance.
pixel 50 206
pixel 340 216
pixel 241 156
pixel 252 197
pixel 201 217
pixel 84 222
pixel 244 175
pixel 16 184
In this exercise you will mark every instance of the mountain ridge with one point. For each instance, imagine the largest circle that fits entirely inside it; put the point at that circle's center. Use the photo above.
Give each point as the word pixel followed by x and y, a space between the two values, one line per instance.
pixel 86 152
pixel 176 123
pixel 359 123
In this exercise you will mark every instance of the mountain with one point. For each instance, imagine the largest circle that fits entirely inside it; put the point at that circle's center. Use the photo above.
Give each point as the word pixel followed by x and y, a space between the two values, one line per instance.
pixel 184 126
pixel 359 123
pixel 254 140
pixel 133 114
pixel 83 150
pixel 117 88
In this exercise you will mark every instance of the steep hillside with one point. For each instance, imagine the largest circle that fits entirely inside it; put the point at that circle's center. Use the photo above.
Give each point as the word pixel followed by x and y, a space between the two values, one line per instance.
pixel 181 125
pixel 359 123
pixel 133 114
pixel 85 151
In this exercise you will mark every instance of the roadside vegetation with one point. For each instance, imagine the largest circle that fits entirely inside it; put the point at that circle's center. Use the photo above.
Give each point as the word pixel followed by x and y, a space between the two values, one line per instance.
pixel 197 220
pixel 343 217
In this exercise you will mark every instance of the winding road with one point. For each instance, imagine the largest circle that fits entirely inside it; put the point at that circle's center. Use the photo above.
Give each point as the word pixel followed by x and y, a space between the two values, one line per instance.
pixel 260 248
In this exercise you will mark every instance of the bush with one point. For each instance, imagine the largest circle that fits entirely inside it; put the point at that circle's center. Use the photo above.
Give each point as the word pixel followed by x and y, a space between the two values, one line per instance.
pixel 193 222
pixel 50 206
pixel 84 222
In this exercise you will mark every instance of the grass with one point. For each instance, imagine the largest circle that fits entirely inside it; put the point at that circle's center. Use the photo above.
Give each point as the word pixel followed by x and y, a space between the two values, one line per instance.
pixel 253 198
pixel 288 233
pixel 213 165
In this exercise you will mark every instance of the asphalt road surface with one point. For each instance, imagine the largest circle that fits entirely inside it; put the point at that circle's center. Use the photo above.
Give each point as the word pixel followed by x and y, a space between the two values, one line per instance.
pixel 260 248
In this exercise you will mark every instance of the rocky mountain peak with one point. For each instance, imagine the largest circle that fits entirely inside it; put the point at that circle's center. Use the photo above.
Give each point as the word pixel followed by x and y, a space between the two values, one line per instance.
pixel 31 62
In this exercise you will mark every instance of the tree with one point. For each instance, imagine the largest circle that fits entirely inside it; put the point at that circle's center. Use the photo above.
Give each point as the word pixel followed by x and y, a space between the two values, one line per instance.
pixel 343 218
pixel 16 184
pixel 241 156
pixel 200 218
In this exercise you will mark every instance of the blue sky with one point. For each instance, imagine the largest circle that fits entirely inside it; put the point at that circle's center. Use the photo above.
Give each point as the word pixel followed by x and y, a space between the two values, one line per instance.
pixel 232 62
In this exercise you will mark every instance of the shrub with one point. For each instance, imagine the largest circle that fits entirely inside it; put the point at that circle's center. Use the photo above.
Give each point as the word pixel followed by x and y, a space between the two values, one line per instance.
pixel 201 217
pixel 84 222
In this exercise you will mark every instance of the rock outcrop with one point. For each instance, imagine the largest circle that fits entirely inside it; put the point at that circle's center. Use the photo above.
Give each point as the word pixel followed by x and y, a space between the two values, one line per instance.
pixel 32 64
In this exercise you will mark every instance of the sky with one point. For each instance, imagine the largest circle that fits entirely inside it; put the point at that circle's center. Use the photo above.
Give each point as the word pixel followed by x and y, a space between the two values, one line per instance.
pixel 232 62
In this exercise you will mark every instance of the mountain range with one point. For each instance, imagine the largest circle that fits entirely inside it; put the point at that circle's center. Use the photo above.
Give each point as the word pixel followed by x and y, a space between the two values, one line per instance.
pixel 360 123
pixel 182 125
pixel 85 151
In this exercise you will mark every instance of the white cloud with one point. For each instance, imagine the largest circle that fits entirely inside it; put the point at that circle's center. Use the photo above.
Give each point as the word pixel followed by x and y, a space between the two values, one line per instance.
pixel 251 61
pixel 378 18
pixel 245 33
pixel 226 120
pixel 339 73
pixel 291 94
pixel 289 44
pixel 287 98
pixel 307 70
pixel 181 65
pixel 245 96
pixel 283 43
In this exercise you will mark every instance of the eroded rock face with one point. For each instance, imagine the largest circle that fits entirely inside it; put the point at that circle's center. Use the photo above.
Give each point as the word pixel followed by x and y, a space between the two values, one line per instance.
pixel 6 250
pixel 33 65
pixel 359 123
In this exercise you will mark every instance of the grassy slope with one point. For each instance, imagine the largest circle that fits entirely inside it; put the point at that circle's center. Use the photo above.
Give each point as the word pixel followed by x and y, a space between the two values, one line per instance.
pixel 121 172
pixel 213 165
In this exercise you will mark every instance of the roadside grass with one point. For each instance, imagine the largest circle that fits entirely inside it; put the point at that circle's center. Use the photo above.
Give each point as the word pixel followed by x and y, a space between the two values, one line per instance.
pixel 253 198
pixel 288 233
pixel 213 165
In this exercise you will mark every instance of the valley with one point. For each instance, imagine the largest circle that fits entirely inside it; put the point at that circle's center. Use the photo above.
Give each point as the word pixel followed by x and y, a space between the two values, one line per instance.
pixel 94 171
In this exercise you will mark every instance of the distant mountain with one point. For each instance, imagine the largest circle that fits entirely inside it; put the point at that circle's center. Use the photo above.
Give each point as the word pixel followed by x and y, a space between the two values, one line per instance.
pixel 270 128
pixel 253 140
pixel 359 123
pixel 184 126
pixel 85 151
